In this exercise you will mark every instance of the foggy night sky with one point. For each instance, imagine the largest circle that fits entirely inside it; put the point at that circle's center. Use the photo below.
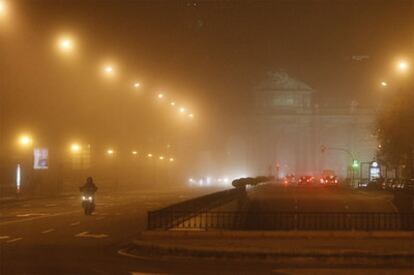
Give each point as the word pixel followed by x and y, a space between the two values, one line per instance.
pixel 206 53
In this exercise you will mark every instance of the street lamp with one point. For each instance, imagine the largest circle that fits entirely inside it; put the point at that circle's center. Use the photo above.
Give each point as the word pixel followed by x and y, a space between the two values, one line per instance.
pixel 137 85
pixel 161 157
pixel 110 152
pixel 191 116
pixel 75 148
pixel 108 70
pixel 403 66
pixel 182 110
pixel 384 84
pixel 134 152
pixel 149 155
pixel 3 8
pixel 160 96
pixel 172 103
pixel 65 44
pixel 171 159
pixel 25 141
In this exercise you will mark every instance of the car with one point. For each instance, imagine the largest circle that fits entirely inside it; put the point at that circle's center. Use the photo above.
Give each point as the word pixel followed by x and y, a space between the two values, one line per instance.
pixel 389 183
pixel 305 180
pixel 329 180
pixel 289 180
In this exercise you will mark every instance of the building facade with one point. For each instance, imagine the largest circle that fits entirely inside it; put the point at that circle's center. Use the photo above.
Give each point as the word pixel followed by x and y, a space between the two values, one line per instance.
pixel 286 130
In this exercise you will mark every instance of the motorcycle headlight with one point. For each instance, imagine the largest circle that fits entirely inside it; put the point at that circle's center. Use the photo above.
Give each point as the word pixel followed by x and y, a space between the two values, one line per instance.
pixel 90 198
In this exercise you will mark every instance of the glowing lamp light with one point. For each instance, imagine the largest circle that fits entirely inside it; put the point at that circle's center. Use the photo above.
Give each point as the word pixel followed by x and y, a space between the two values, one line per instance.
pixel 171 159
pixel 160 96
pixel 110 152
pixel 137 85
pixel 25 140
pixel 108 70
pixel 161 158
pixel 149 155
pixel 374 164
pixel 75 148
pixel 172 103
pixel 191 115
pixel 134 152
pixel 182 110
pixel 403 66
pixel 66 44
pixel 384 84
pixel 3 8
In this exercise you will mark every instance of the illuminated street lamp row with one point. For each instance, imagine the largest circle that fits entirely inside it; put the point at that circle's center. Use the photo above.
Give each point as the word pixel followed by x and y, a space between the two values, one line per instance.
pixel 181 110
pixel 26 141
pixel 66 45
pixel 161 157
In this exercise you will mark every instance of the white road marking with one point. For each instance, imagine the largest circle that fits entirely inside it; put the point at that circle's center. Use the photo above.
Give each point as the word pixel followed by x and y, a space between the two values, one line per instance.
pixel 48 231
pixel 124 253
pixel 86 234
pixel 4 237
pixel 14 240
pixel 39 217
pixel 74 223
pixel 30 214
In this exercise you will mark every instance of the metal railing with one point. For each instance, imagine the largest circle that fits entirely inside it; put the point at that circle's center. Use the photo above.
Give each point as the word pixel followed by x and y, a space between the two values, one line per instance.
pixel 175 214
pixel 369 221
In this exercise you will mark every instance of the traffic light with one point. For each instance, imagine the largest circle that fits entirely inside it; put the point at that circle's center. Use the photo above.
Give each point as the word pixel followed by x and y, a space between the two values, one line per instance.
pixel 355 164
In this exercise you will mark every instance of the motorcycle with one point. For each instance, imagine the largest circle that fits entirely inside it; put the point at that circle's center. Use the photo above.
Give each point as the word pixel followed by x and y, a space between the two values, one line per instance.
pixel 88 203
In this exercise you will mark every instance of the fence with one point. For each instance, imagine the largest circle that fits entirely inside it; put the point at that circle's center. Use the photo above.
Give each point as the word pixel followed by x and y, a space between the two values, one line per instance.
pixel 369 221
pixel 175 214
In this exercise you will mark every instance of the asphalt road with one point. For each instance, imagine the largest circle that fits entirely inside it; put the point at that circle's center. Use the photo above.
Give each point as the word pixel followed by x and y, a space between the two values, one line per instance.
pixel 53 236
pixel 277 197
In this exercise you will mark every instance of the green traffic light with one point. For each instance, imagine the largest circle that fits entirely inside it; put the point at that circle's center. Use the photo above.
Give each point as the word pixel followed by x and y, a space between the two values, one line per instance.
pixel 355 164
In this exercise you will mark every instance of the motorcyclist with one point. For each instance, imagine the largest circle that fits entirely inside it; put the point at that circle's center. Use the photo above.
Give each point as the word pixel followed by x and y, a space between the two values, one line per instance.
pixel 89 187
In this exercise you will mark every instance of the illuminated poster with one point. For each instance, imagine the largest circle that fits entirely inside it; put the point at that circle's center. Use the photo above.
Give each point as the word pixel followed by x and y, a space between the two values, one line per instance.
pixel 41 158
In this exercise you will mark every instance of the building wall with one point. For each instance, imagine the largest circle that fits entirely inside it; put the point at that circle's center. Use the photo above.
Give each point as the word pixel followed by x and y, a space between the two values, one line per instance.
pixel 293 142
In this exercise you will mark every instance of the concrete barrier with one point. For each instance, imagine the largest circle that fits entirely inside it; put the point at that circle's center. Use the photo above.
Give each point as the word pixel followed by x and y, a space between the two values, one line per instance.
pixel 200 234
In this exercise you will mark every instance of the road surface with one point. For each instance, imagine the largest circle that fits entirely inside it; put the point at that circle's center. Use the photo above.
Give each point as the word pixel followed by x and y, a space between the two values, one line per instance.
pixel 53 236
pixel 277 197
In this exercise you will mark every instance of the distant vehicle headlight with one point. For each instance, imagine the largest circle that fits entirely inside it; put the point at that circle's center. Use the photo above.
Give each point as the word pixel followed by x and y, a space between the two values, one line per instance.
pixel 83 198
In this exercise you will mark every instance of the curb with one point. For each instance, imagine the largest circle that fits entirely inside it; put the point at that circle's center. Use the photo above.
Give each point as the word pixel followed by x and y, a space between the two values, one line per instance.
pixel 202 234
pixel 147 249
